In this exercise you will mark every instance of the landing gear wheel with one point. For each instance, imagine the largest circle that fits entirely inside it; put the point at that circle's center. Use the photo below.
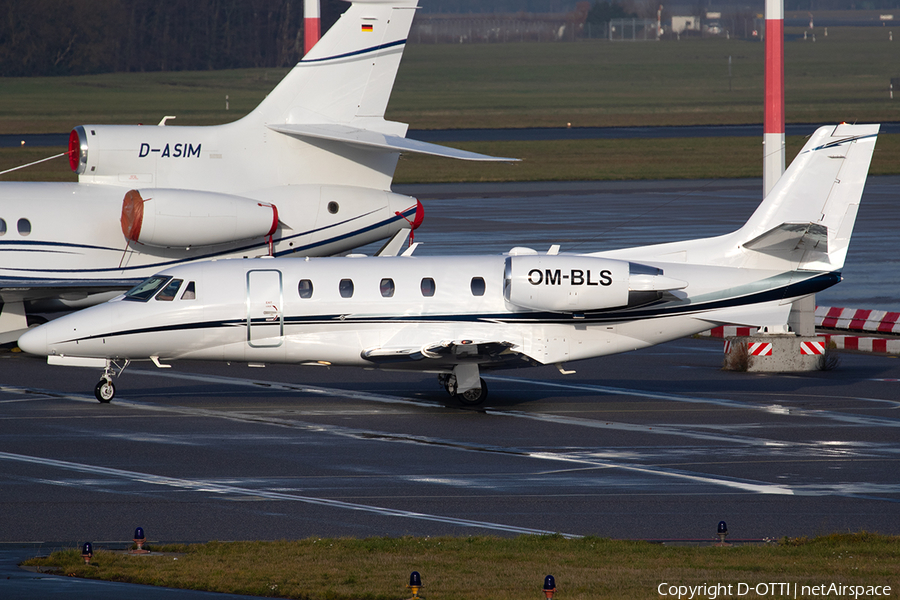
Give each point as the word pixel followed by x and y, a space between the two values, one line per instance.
pixel 448 382
pixel 474 396
pixel 35 320
pixel 105 391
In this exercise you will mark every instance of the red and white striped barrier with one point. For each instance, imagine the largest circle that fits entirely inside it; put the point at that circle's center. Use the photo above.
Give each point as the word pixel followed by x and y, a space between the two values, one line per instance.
pixel 812 348
pixel 856 319
pixel 841 342
pixel 729 331
pixel 760 349
pixel 865 344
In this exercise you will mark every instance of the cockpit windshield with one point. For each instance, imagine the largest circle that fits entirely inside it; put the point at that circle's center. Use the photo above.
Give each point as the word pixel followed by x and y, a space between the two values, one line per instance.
pixel 145 289
pixel 168 293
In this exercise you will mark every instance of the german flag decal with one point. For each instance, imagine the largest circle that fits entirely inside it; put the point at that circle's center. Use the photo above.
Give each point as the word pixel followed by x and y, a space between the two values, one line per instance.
pixel 367 28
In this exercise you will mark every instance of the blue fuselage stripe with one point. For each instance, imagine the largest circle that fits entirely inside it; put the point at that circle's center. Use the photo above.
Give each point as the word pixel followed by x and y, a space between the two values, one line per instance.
pixel 14 281
pixel 811 285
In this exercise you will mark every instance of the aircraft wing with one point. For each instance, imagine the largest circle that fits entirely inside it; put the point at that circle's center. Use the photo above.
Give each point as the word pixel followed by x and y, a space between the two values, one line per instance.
pixel 448 352
pixel 367 138
pixel 18 290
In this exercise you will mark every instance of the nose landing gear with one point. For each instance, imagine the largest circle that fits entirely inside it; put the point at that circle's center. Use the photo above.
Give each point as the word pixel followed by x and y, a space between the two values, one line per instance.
pixel 105 390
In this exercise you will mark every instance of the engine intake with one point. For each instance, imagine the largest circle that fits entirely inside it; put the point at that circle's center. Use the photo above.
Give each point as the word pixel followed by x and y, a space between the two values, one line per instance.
pixel 78 150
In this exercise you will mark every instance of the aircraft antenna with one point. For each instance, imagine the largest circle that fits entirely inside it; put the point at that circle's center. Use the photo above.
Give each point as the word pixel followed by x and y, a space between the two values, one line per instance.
pixel 34 163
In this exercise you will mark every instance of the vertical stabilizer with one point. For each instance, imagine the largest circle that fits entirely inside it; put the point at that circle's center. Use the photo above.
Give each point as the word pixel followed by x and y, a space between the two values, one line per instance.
pixel 347 77
pixel 817 197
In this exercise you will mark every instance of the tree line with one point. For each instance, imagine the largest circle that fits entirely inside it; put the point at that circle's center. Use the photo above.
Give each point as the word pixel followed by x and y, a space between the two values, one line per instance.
pixel 76 37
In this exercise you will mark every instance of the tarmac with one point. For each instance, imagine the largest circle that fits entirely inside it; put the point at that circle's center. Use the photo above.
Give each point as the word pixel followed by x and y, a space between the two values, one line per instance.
pixel 659 444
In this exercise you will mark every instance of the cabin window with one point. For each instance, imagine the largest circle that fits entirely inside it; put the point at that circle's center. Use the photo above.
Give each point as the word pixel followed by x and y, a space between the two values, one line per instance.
pixel 189 292
pixel 145 289
pixel 333 207
pixel 387 287
pixel 346 288
pixel 477 286
pixel 305 288
pixel 428 287
pixel 24 226
pixel 2 227
pixel 169 292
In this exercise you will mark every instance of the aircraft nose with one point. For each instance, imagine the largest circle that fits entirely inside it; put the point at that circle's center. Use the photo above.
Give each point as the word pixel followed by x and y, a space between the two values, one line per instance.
pixel 34 341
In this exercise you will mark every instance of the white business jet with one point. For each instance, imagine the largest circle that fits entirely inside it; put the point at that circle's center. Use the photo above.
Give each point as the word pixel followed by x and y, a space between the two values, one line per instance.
pixel 307 172
pixel 457 316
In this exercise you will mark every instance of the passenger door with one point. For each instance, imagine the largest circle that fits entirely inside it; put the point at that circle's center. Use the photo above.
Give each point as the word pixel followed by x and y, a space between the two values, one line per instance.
pixel 265 303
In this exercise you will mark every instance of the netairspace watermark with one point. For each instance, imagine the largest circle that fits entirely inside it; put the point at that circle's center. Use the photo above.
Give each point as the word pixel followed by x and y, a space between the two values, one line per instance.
pixel 712 591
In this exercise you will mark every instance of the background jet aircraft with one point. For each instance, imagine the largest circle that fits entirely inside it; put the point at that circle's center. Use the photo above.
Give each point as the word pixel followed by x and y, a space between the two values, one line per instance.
pixel 308 172
pixel 459 315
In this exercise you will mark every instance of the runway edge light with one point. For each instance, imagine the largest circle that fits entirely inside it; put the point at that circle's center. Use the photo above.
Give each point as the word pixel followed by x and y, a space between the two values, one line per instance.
pixel 722 531
pixel 139 539
pixel 549 586
pixel 415 583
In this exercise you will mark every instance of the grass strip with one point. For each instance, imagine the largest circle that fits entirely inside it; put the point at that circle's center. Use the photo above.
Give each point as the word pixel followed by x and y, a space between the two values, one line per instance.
pixel 842 76
pixel 555 160
pixel 477 568
pixel 583 160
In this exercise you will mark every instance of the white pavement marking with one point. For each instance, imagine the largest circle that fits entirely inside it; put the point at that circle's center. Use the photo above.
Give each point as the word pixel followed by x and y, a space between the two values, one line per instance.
pixel 746 485
pixel 751 486
pixel 759 488
pixel 862 421
pixel 198 485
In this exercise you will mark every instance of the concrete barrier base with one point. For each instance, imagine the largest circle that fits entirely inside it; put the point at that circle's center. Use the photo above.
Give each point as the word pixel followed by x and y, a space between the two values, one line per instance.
pixel 776 353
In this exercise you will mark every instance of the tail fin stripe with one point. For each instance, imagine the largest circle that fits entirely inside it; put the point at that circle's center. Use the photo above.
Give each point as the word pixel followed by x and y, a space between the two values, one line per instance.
pixel 355 53
pixel 844 141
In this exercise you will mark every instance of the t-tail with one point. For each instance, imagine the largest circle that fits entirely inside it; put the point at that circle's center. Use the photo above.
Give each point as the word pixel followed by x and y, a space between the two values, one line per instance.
pixel 805 222
pixel 807 219
pixel 335 98
pixel 323 124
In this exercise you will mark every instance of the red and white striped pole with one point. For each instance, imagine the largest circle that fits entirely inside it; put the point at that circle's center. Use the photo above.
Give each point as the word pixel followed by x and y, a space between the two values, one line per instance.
pixel 773 130
pixel 311 27
pixel 802 316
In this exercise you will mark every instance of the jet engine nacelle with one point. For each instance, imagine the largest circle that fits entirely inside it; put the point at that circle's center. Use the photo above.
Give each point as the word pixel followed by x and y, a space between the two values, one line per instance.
pixel 113 150
pixel 565 283
pixel 169 218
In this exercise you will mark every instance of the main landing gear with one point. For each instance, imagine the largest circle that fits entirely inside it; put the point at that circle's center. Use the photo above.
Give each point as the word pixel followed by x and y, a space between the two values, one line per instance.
pixel 471 397
pixel 105 390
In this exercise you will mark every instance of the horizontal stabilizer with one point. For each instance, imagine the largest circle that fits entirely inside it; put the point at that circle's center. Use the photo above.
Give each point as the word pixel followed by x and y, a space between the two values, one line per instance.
pixel 813 207
pixel 374 140
pixel 789 237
